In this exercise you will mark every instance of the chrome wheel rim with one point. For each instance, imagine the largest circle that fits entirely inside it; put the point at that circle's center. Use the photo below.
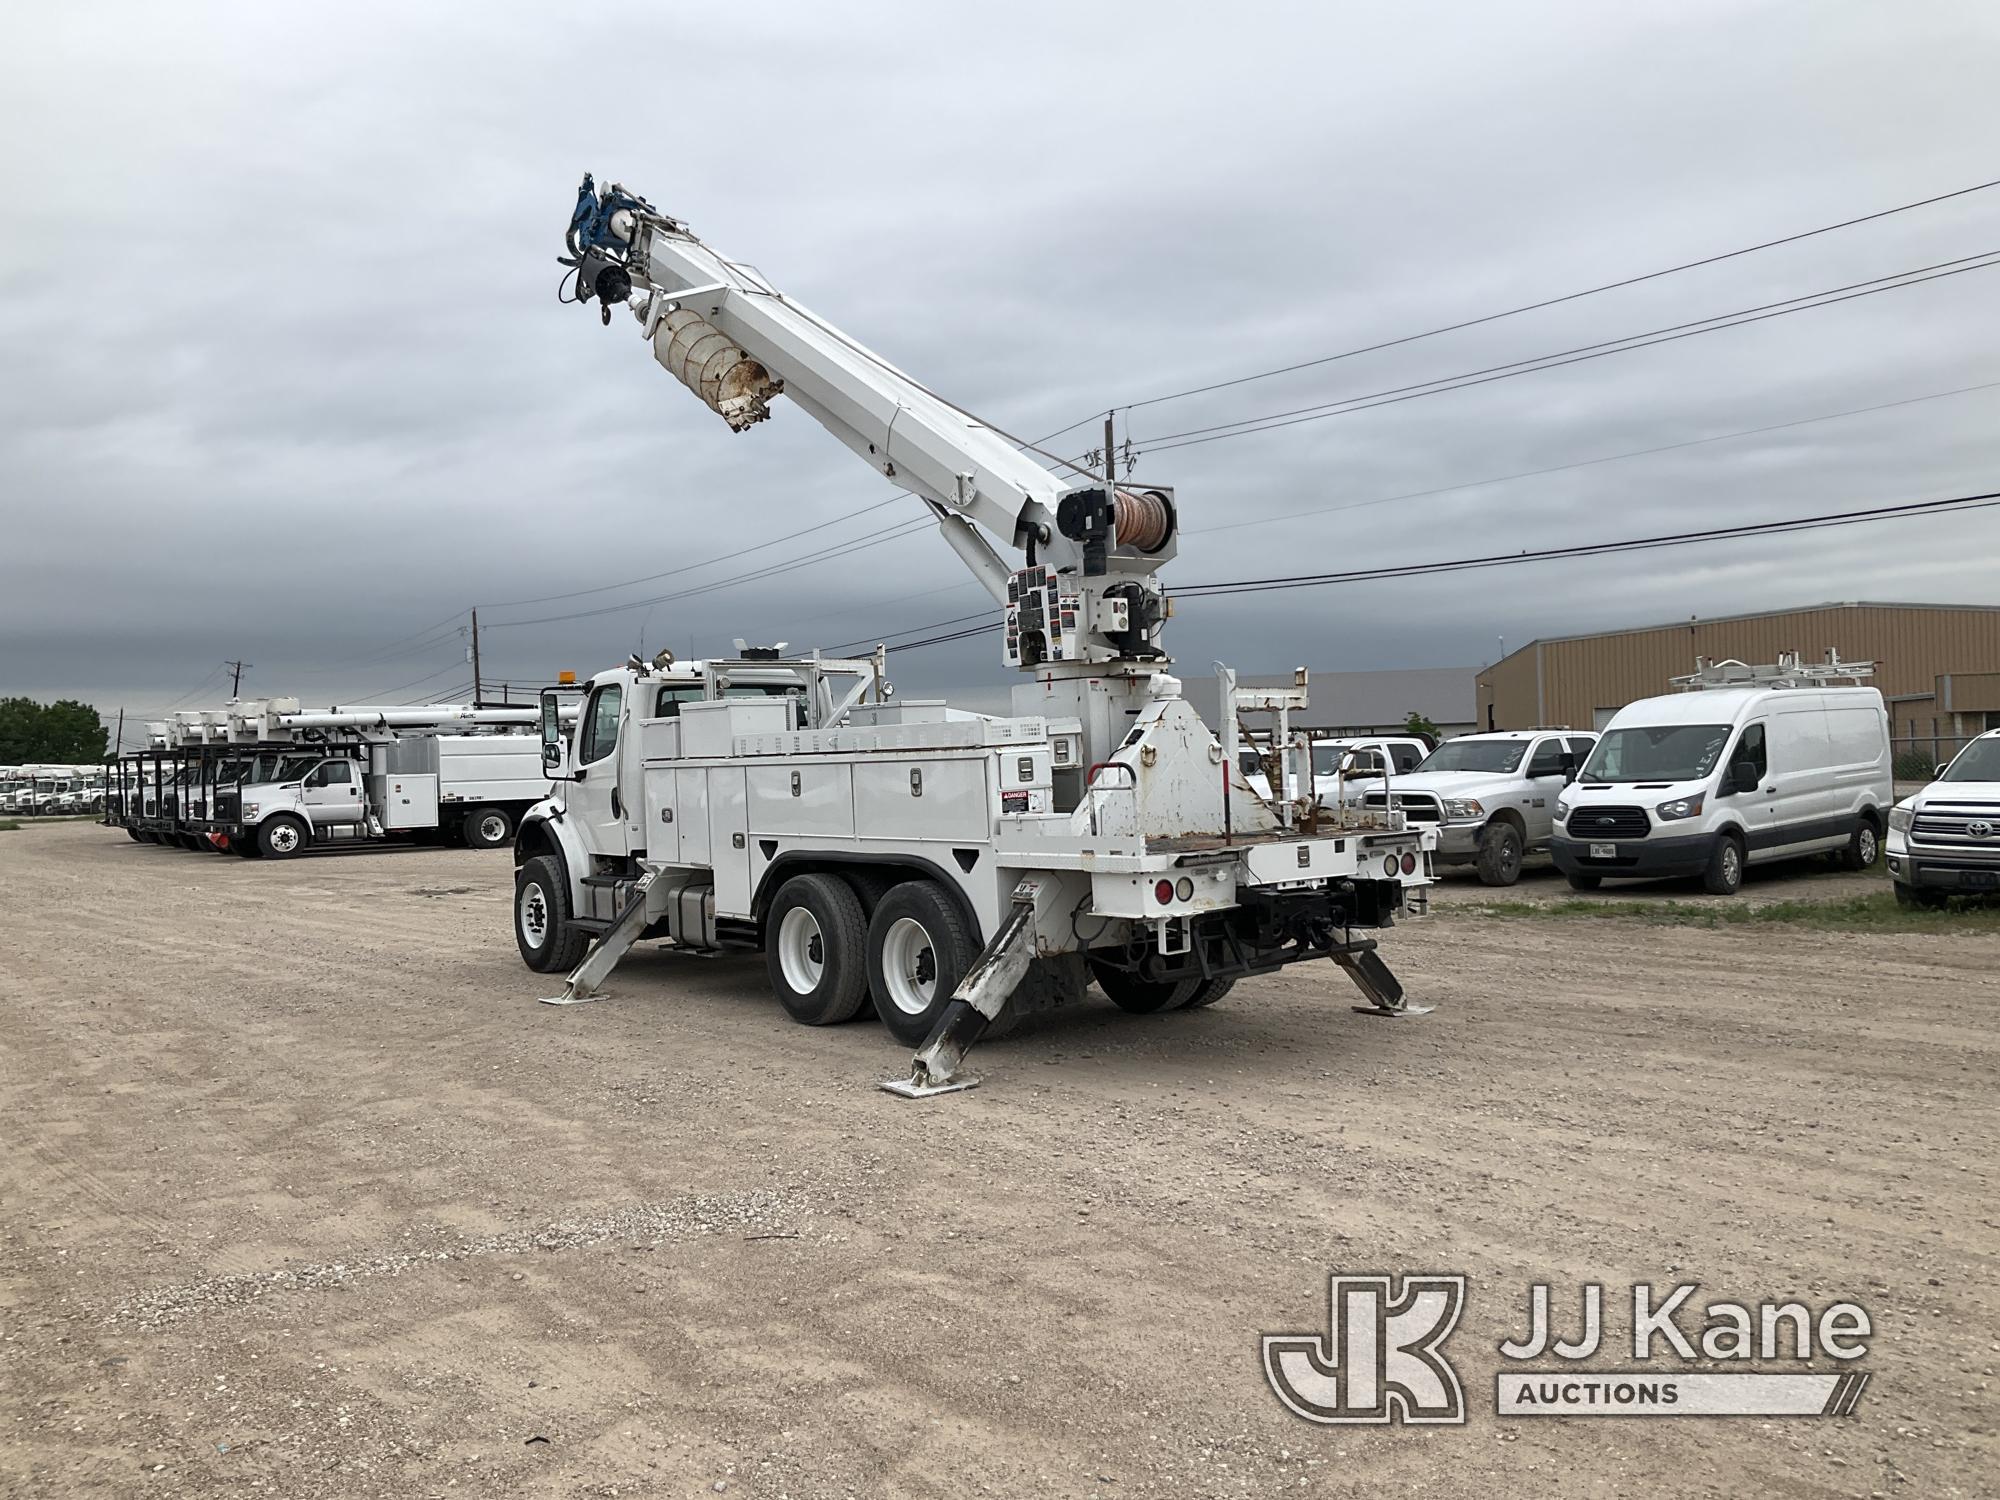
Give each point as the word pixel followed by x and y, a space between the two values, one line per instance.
pixel 284 839
pixel 534 907
pixel 801 950
pixel 493 828
pixel 1732 865
pixel 909 966
pixel 1867 846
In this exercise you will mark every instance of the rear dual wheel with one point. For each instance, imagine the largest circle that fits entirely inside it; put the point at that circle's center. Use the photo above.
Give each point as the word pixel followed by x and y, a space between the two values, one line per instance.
pixel 486 828
pixel 814 936
pixel 1144 997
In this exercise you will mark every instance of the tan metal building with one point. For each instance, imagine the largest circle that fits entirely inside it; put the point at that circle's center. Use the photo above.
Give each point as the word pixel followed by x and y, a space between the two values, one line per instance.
pixel 1937 664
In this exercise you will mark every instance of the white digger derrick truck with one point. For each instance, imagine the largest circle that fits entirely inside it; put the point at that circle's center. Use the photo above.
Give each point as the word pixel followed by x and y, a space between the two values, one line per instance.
pixel 956 869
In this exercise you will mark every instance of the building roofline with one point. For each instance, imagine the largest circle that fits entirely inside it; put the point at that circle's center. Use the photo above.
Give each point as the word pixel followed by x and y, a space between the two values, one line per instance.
pixel 1761 614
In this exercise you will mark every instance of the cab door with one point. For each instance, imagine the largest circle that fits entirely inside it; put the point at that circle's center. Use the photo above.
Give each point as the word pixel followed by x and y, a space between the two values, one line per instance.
pixel 1547 775
pixel 1748 787
pixel 332 792
pixel 595 799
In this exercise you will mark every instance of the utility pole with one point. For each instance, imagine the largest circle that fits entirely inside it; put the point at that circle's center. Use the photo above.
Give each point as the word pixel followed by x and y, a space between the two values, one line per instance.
pixel 475 659
pixel 120 750
pixel 236 674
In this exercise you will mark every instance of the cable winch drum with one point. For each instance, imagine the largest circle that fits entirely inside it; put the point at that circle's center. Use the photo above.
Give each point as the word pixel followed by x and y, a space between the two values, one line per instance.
pixel 1143 519
pixel 702 358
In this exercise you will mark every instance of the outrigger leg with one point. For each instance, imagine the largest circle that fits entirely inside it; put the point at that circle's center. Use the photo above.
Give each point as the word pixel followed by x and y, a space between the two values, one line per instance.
pixel 611 945
pixel 993 977
pixel 1372 977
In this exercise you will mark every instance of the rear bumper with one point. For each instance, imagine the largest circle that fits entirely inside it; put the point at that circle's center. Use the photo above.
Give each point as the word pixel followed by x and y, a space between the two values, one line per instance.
pixel 1636 859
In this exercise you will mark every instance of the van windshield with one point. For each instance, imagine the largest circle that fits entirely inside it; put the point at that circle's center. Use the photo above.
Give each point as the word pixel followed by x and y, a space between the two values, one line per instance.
pixel 1496 756
pixel 1662 752
pixel 1978 761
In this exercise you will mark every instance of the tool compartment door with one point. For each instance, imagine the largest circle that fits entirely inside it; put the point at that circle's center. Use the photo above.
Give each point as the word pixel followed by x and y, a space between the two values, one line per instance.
pixel 404 801
pixel 940 799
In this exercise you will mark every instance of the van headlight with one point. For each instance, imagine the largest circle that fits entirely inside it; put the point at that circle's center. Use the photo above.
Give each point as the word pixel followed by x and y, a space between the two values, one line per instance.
pixel 1680 807
pixel 1456 808
pixel 1562 810
pixel 1901 819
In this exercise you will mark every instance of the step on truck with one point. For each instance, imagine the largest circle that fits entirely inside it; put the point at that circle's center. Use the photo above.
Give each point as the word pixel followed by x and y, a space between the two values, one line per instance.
pixel 953 871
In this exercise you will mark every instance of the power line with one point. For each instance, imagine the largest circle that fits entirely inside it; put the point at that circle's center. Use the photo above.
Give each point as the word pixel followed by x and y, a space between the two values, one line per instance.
pixel 1609 286
pixel 604 588
pixel 1585 463
pixel 1390 396
pixel 1909 510
pixel 773 571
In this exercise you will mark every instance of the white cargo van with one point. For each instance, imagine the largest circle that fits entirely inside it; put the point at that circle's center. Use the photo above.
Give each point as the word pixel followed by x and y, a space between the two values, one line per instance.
pixel 1704 782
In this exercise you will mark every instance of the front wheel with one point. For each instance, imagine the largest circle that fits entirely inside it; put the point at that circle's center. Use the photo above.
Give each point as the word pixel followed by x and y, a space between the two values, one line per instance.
pixel 1724 875
pixel 1500 851
pixel 919 948
pixel 281 836
pixel 814 936
pixel 549 942
pixel 486 828
pixel 1863 848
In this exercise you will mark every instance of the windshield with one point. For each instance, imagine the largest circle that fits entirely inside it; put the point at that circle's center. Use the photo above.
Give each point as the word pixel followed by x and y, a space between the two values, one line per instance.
pixel 1662 752
pixel 1978 761
pixel 1326 756
pixel 1495 756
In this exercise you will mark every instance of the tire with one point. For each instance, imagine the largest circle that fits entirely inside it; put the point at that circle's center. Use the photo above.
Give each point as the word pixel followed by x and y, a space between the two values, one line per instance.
pixel 1864 848
pixel 1207 992
pixel 549 942
pixel 1499 861
pixel 1143 997
pixel 815 950
pixel 486 828
pixel 245 847
pixel 281 836
pixel 1583 882
pixel 919 947
pixel 1724 875
pixel 1910 898
pixel 135 836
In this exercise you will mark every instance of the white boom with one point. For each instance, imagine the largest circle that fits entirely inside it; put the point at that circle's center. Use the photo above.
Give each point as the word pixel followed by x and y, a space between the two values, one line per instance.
pixel 1088 596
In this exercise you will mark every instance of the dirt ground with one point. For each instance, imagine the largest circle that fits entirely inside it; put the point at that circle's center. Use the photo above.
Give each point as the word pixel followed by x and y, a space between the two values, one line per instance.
pixel 304 1196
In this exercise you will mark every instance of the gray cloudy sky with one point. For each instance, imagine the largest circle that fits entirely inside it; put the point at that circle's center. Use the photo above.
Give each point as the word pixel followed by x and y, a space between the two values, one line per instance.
pixel 283 376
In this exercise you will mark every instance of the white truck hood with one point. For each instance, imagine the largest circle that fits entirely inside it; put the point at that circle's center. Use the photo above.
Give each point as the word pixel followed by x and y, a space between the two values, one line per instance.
pixel 1443 783
pixel 1954 791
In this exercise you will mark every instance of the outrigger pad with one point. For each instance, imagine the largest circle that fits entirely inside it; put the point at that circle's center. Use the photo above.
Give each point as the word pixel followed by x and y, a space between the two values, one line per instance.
pixel 568 999
pixel 910 1086
pixel 1392 1013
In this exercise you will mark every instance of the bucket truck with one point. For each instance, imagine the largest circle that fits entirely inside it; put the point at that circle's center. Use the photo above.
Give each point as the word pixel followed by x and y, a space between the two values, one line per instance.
pixel 266 778
pixel 954 870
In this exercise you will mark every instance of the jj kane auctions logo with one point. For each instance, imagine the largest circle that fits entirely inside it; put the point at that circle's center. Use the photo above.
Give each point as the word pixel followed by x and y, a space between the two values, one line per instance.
pixel 1382 1357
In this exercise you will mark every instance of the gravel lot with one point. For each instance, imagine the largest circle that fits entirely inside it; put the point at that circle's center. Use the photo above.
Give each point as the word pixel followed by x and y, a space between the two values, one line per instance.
pixel 306 1197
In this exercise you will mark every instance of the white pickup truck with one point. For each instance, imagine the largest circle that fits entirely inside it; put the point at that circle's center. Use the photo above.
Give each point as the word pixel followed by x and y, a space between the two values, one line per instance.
pixel 1945 840
pixel 1492 797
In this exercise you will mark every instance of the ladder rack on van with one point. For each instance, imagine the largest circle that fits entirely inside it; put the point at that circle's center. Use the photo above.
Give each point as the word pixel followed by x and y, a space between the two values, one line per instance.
pixel 1787 671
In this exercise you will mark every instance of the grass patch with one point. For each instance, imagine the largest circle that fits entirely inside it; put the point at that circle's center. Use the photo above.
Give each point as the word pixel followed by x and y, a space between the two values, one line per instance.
pixel 1876 911
pixel 8 825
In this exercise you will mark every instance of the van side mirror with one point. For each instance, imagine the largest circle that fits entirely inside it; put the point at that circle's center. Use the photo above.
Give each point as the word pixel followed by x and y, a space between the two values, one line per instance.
pixel 1943 766
pixel 1742 778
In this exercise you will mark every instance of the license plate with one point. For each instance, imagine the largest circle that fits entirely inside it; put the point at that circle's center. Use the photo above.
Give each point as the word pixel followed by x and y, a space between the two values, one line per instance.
pixel 1603 851
pixel 1979 880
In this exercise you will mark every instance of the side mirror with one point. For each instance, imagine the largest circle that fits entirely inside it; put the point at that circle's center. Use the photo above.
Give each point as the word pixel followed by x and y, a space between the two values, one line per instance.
pixel 555 749
pixel 1742 778
pixel 1943 766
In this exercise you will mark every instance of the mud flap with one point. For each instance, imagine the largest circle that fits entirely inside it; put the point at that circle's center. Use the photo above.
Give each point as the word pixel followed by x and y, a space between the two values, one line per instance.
pixel 1372 977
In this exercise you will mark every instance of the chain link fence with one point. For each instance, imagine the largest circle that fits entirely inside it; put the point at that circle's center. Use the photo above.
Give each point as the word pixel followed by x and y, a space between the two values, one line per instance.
pixel 1916 758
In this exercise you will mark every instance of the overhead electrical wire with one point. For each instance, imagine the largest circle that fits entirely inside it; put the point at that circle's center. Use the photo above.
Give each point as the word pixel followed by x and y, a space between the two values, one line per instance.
pixel 1908 510
pixel 1528 307
pixel 1557 359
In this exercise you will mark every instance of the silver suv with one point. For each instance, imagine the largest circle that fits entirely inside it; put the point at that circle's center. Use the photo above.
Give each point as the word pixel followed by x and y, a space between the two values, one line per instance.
pixel 1492 796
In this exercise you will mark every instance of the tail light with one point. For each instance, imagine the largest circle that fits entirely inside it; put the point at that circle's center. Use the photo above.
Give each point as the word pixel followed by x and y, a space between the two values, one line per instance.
pixel 1163 891
pixel 1409 864
pixel 1390 864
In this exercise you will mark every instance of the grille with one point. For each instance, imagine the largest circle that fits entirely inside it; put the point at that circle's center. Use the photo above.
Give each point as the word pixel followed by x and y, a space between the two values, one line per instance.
pixel 1609 823
pixel 228 805
pixel 1416 807
pixel 1970 827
